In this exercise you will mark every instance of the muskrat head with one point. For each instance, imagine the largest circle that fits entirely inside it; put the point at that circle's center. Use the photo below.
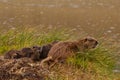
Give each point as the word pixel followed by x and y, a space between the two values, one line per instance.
pixel 37 49
pixel 89 43
pixel 15 55
pixel 36 53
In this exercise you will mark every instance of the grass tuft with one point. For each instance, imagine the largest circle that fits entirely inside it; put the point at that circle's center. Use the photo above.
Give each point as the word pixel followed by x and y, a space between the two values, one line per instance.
pixel 99 61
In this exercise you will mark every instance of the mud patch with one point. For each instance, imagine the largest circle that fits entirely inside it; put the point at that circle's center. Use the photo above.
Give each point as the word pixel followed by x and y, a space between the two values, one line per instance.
pixel 21 69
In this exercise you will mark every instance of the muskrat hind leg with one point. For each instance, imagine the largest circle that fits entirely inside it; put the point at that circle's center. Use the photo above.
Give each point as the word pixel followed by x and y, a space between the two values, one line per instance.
pixel 45 60
pixel 56 61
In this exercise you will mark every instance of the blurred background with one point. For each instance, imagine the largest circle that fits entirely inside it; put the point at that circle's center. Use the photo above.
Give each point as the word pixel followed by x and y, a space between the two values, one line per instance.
pixel 94 17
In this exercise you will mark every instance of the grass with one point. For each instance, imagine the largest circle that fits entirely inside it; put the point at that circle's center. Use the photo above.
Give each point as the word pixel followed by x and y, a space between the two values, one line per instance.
pixel 96 64
pixel 19 38
pixel 98 60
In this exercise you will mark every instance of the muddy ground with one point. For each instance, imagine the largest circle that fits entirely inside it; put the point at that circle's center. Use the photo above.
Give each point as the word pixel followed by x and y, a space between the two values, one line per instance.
pixel 21 69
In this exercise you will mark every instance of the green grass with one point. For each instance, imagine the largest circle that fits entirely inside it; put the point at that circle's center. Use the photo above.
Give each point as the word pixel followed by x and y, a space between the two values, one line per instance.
pixel 19 38
pixel 96 64
pixel 98 60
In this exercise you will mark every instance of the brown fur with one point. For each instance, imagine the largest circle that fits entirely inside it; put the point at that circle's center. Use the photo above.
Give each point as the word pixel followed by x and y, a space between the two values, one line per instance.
pixel 63 50
pixel 45 49
pixel 35 53
pixel 41 52
pixel 12 54
pixel 26 52
pixel 15 54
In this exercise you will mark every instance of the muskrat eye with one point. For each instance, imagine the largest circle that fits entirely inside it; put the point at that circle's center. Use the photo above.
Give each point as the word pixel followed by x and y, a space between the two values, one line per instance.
pixel 96 42
pixel 85 39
